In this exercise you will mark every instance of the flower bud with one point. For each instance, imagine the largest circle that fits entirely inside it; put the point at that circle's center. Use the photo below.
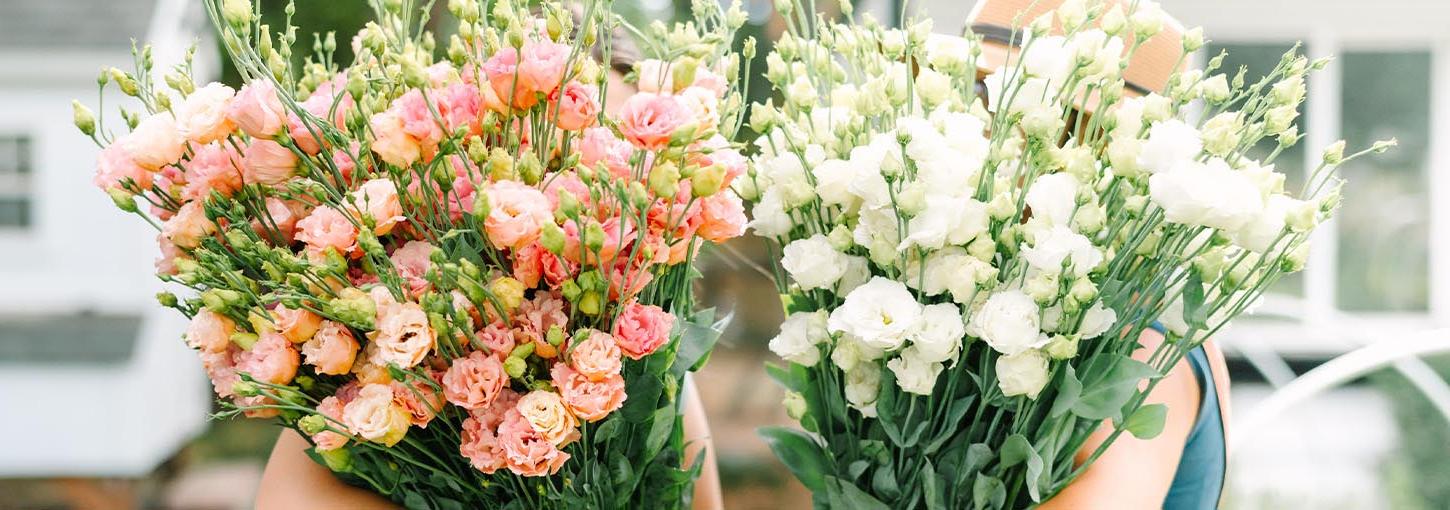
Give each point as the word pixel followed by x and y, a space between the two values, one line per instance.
pixel 1334 153
pixel 1084 290
pixel 707 181
pixel 841 238
pixel 83 118
pixel 338 460
pixel 508 292
pixel 312 424
pixel 237 13
pixel 515 367
pixel 590 303
pixel 1193 40
pixel 245 388
pixel 664 179
pixel 1042 287
pixel 1062 347
pixel 795 405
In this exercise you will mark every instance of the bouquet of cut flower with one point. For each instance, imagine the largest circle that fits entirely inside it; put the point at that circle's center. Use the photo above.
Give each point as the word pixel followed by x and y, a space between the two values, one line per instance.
pixel 967 265
pixel 462 280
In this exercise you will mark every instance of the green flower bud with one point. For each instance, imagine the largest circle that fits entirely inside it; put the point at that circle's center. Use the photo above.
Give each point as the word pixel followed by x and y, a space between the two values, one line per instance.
pixel 166 299
pixel 1062 347
pixel 552 238
pixel 707 181
pixel 312 424
pixel 571 290
pixel 555 336
pixel 245 388
pixel 590 303
pixel 244 340
pixel 339 460
pixel 237 13
pixel 664 179
pixel 84 119
pixel 515 367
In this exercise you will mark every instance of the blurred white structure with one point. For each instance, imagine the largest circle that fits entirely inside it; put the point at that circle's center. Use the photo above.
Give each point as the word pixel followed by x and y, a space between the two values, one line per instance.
pixel 94 378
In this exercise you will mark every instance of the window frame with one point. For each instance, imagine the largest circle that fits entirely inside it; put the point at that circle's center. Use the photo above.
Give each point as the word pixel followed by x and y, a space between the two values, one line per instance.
pixel 22 183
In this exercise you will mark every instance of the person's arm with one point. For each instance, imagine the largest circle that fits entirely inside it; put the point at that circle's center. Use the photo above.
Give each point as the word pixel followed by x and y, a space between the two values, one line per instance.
pixel 1135 474
pixel 293 480
pixel 697 438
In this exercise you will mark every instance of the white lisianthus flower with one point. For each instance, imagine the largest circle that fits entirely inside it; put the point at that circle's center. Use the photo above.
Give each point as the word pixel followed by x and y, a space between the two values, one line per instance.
pixel 833 183
pixel 933 87
pixel 946 220
pixel 1053 197
pixel 870 161
pixel 940 334
pixel 1032 93
pixel 1128 117
pixel 1049 58
pixel 788 175
pixel 858 272
pixel 1024 373
pixel 1008 321
pixel 1102 53
pixel 1058 244
pixel 1211 195
pixel 799 337
pixel 947 52
pixel 863 385
pixel 881 314
pixel 813 263
pixel 914 374
pixel 968 137
pixel 951 270
pixel 849 352
pixel 876 229
pixel 1259 234
pixel 1170 143
pixel 1123 154
pixel 770 218
pixel 1096 321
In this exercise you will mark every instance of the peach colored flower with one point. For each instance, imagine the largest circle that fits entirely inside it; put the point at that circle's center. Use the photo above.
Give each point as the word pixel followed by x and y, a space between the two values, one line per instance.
pixel 210 331
pixel 379 199
pixel 708 79
pixel 155 142
pixel 460 106
pixel 391 143
pixel 345 161
pixel 480 445
pixel 589 400
pixel 256 412
pixel 166 263
pixel 578 106
pixel 640 329
pixel 212 167
pixel 202 117
pixel 221 368
pixel 537 316
pixel 115 165
pixel 533 264
pixel 597 357
pixel 504 79
pixel 374 416
pixel 493 415
pixel 332 408
pixel 367 371
pixel 296 325
pixel 723 217
pixel 648 120
pixel 257 111
pixel 268 162
pixel 417 117
pixel 327 228
pixel 702 105
pixel 546 412
pixel 320 105
pixel 497 338
pixel 419 399
pixel 543 65
pixel 599 145
pixel 441 74
pixel 332 350
pixel 189 226
pixel 526 452
pixel 404 336
pixel 272 360
pixel 627 280
pixel 282 215
pixel 474 381
pixel 517 213
pixel 411 262
pixel 655 76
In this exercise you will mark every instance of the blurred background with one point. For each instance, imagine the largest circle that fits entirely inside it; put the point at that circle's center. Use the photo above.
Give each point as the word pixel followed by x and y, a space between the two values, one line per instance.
pixel 102 406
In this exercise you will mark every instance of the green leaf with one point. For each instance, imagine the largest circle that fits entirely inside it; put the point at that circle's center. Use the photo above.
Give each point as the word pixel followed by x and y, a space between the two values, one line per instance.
pixel 607 429
pixel 1016 450
pixel 848 496
pixel 1195 313
pixel 1147 421
pixel 783 376
pixel 620 470
pixel 954 417
pixel 1068 393
pixel 415 501
pixel 800 453
pixel 931 492
pixel 660 427
pixel 793 303
pixel 884 482
pixel 988 493
pixel 978 455
pixel 1109 381
pixel 697 337
pixel 856 468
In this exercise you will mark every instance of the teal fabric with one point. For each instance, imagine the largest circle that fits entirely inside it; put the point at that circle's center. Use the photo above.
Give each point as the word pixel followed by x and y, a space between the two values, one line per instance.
pixel 1198 483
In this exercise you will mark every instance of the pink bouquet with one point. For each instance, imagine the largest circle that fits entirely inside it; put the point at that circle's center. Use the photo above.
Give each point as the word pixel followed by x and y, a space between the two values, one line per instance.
pixel 464 282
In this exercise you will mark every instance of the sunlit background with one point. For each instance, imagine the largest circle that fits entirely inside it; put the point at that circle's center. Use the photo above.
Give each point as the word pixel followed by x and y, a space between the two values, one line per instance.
pixel 102 406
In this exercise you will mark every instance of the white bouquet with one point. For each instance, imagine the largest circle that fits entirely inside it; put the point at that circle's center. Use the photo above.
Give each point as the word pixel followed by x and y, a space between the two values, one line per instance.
pixel 968 264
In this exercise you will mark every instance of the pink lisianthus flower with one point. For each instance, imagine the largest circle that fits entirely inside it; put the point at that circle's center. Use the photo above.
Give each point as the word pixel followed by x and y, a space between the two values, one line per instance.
pixel 588 399
pixel 460 105
pixel 506 82
pixel 722 217
pixel 418 120
pixel 391 143
pixel 221 369
pixel 626 280
pixel 271 360
pixel 472 382
pixel 419 399
pixel 257 110
pixel 597 357
pixel 648 120
pixel 526 452
pixel 411 261
pixel 166 263
pixel 331 350
pixel 212 167
pixel 210 332
pixel 189 226
pixel 268 162
pixel 577 106
pixel 536 316
pixel 545 410
pixel 327 228
pixel 543 65
pixel 155 142
pixel 374 416
pixel 378 198
pixel 480 445
pixel 202 117
pixel 516 215
pixel 281 215
pixel 115 165
pixel 534 264
pixel 330 407
pixel 296 325
pixel 320 105
pixel 599 145
pixel 642 329
pixel 497 338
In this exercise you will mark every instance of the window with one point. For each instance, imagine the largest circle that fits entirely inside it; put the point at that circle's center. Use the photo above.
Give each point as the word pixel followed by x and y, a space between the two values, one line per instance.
pixel 16 168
